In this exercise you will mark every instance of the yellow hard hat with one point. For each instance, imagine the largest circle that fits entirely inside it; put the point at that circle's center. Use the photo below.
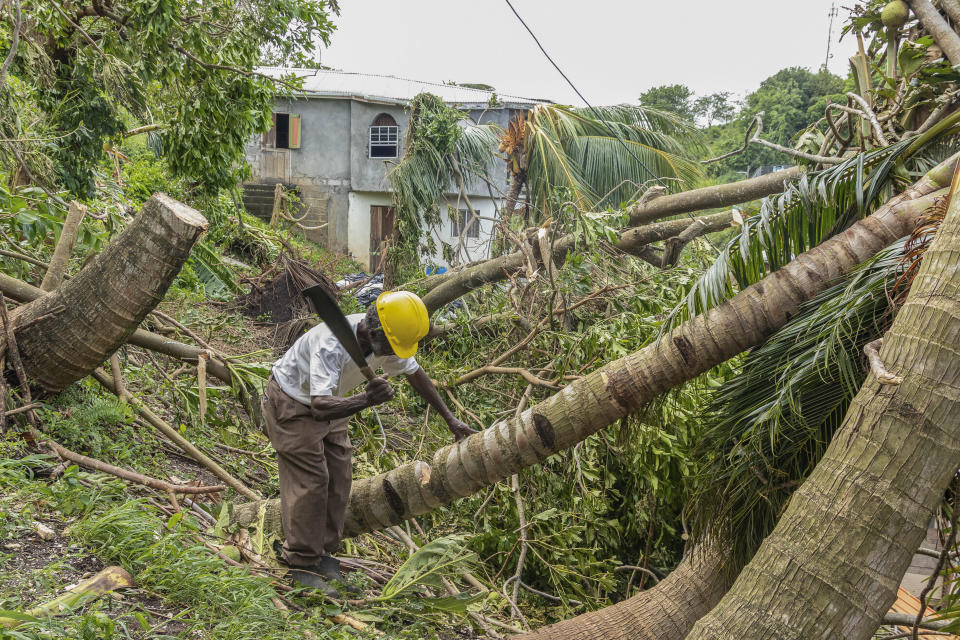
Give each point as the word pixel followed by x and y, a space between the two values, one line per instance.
pixel 404 319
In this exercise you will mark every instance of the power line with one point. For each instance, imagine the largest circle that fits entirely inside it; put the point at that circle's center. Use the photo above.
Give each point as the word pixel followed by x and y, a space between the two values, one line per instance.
pixel 595 113
pixel 587 102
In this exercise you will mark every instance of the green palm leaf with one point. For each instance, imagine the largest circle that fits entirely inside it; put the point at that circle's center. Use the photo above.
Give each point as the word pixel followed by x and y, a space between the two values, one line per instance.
pixel 769 427
pixel 577 151
pixel 810 210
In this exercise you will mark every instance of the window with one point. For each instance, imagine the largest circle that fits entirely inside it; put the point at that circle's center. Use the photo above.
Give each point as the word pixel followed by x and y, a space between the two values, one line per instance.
pixel 459 221
pixel 285 132
pixel 384 137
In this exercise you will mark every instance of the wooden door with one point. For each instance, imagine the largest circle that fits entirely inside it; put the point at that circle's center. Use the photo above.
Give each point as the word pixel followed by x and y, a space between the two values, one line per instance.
pixel 381 231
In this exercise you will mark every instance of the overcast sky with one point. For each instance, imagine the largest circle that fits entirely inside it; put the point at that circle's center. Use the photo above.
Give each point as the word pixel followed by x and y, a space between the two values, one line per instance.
pixel 612 50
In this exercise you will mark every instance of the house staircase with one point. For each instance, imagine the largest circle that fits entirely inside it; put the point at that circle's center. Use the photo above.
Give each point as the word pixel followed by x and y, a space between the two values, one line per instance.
pixel 258 198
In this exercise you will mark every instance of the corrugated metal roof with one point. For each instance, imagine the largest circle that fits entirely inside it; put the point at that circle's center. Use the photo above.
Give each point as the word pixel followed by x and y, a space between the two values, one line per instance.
pixel 386 88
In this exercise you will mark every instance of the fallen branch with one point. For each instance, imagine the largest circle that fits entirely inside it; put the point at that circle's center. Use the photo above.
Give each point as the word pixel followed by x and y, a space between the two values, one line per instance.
pixel 698 227
pixel 129 476
pixel 61 254
pixel 756 139
pixel 175 436
pixel 520 371
pixel 723 195
pixel 467 377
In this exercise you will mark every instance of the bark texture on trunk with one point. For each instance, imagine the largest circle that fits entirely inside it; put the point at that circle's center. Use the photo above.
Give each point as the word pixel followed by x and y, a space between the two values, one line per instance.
pixel 24 292
pixel 666 611
pixel 952 9
pixel 832 565
pixel 723 195
pixel 591 403
pixel 64 335
pixel 937 26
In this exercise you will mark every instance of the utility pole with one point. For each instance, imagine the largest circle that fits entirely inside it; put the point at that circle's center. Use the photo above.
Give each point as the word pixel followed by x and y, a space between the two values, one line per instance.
pixel 832 14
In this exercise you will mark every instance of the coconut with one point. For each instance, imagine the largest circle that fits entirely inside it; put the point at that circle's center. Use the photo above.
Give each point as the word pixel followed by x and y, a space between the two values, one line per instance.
pixel 895 14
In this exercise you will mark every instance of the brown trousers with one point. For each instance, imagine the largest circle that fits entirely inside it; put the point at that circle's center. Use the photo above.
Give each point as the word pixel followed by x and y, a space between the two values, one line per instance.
pixel 315 476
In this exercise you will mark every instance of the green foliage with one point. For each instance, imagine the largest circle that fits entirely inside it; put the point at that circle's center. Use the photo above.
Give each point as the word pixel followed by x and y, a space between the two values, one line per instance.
pixel 674 98
pixel 680 100
pixel 186 65
pixel 811 209
pixel 789 101
pixel 225 601
pixel 440 559
pixel 768 427
pixel 573 150
pixel 443 150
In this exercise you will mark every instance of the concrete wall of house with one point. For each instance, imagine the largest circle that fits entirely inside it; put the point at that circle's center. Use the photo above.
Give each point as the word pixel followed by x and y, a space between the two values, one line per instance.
pixel 320 168
pixel 338 181
pixel 442 234
pixel 366 173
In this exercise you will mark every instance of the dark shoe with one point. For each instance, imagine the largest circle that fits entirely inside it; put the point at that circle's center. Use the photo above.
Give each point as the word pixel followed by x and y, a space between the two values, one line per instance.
pixel 310 577
pixel 329 568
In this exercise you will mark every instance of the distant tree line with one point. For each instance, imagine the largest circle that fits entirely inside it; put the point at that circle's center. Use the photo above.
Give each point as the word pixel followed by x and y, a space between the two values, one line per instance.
pixel 788 101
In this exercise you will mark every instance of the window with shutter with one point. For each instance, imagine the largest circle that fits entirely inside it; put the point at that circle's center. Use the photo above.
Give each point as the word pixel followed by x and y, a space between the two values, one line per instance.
pixel 285 132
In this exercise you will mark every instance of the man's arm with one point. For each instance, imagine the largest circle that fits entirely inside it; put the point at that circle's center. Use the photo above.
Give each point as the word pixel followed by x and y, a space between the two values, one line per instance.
pixel 377 392
pixel 421 383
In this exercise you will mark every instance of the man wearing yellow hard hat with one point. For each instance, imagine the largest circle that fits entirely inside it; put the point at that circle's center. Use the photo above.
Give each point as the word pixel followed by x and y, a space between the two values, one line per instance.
pixel 306 409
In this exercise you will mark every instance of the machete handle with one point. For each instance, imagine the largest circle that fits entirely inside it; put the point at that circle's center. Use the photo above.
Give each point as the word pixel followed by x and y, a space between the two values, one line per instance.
pixel 368 372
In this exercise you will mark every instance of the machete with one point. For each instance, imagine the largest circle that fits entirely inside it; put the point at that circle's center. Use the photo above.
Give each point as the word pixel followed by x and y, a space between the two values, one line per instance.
pixel 330 312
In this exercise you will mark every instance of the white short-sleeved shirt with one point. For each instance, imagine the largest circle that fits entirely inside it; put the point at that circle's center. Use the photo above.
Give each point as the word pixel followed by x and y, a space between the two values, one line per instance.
pixel 318 365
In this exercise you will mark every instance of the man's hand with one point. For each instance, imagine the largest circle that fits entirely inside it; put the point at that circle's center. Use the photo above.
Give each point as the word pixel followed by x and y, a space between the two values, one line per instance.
pixel 459 429
pixel 378 391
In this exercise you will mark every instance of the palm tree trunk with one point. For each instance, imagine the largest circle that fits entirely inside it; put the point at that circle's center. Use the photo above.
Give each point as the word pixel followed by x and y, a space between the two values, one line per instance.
pixel 23 292
pixel 832 565
pixel 665 612
pixel 64 335
pixel 591 403
pixel 934 23
pixel 723 195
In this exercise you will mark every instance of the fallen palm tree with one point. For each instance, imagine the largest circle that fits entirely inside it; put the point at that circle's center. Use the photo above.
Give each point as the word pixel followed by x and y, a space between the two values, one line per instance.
pixel 591 403
pixel 64 335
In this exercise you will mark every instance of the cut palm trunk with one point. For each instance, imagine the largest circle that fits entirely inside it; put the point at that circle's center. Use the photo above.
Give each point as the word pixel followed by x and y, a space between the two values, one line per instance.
pixel 65 335
pixel 832 565
pixel 107 580
pixel 24 292
pixel 597 400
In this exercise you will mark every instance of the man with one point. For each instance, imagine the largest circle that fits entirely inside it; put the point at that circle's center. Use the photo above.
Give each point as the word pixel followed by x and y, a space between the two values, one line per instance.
pixel 306 410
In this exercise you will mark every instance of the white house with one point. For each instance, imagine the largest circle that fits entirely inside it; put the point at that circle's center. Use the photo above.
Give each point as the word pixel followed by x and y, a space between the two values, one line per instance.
pixel 334 143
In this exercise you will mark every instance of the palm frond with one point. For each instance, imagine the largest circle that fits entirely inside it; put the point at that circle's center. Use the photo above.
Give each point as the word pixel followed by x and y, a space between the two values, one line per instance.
pixel 770 426
pixel 576 152
pixel 810 210
pixel 216 277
